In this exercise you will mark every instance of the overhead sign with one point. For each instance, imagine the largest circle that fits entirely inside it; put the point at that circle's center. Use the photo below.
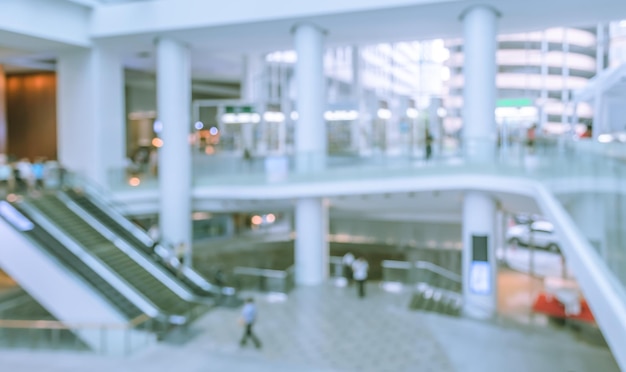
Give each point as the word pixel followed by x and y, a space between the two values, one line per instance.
pixel 239 109
pixel 514 102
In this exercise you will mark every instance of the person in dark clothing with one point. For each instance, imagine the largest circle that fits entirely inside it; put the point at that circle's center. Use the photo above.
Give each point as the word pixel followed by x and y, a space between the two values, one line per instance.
pixel 429 145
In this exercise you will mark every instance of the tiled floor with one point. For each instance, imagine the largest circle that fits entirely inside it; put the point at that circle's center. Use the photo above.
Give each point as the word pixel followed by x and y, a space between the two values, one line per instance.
pixel 327 328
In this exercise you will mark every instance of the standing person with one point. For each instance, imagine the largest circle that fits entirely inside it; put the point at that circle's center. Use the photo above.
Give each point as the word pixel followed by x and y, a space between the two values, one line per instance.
pixel 155 235
pixel 248 317
pixel 38 171
pixel 180 250
pixel 347 260
pixel 6 175
pixel 247 158
pixel 359 269
pixel 429 145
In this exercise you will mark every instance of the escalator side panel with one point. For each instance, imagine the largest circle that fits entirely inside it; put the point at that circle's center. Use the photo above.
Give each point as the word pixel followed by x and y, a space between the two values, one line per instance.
pixel 58 290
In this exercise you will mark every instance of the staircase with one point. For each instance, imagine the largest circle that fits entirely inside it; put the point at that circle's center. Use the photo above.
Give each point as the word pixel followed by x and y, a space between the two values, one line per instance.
pixel 429 298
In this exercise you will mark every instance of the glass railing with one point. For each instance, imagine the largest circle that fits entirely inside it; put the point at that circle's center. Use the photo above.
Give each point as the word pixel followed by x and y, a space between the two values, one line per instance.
pixel 218 169
pixel 566 167
pixel 110 338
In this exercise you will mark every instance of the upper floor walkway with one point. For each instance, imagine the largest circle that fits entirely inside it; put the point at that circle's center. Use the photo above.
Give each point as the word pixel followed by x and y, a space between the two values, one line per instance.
pixel 545 177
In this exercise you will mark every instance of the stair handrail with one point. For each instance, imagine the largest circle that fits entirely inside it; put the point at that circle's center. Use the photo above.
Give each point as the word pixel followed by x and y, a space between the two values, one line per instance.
pixel 429 266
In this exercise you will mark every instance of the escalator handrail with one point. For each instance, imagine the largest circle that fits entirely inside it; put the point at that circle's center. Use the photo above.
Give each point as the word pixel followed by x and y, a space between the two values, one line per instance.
pixel 157 271
pixel 161 249
pixel 117 282
pixel 116 216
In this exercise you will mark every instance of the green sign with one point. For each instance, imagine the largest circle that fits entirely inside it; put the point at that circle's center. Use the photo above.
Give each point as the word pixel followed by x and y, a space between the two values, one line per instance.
pixel 514 102
pixel 239 109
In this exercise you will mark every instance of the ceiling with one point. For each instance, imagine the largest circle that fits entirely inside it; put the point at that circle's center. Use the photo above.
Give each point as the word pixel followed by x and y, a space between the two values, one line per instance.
pixel 220 37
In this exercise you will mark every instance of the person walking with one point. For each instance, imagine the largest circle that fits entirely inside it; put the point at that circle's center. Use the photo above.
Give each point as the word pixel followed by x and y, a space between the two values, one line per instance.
pixel 359 270
pixel 347 261
pixel 248 317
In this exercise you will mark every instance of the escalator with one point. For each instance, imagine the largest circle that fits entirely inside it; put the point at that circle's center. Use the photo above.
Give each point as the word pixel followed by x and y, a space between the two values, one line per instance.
pixel 169 302
pixel 73 263
pixel 70 289
pixel 122 228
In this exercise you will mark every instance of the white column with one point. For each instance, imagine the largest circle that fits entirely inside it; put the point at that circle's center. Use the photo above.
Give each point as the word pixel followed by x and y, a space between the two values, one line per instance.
pixel 357 98
pixel 3 112
pixel 251 86
pixel 310 129
pixel 479 72
pixel 479 263
pixel 91 127
pixel 311 246
pixel 174 105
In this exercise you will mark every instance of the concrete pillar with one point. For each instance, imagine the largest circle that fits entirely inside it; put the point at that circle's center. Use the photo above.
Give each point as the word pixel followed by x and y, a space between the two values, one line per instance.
pixel 91 127
pixel 479 71
pixel 479 258
pixel 311 246
pixel 3 112
pixel 480 136
pixel 357 97
pixel 174 105
pixel 310 129
pixel 251 93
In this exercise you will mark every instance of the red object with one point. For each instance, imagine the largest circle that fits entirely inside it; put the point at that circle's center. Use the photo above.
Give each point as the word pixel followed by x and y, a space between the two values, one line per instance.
pixel 549 305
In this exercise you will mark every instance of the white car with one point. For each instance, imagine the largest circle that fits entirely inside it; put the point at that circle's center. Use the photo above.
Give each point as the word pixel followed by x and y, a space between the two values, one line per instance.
pixel 542 233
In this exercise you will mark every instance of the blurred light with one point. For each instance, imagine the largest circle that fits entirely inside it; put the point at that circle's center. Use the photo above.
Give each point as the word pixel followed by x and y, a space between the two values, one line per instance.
pixel 257 220
pixel 273 117
pixel 384 113
pixel 288 56
pixel 412 112
pixel 441 112
pixel 198 125
pixel 157 126
pixel 294 115
pixel 209 150
pixel 243 118
pixel 157 142
pixel 445 73
pixel 199 216
pixel 270 218
pixel 622 23
pixel 213 131
pixel 605 138
pixel 134 181
pixel 12 198
pixel 528 111
pixel 341 115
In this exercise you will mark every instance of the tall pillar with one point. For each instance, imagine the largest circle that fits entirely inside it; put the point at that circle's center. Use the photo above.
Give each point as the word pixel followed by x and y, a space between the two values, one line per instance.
pixel 311 246
pixel 251 85
pixel 3 112
pixel 479 258
pixel 310 129
pixel 479 72
pixel 91 127
pixel 357 98
pixel 480 136
pixel 174 105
